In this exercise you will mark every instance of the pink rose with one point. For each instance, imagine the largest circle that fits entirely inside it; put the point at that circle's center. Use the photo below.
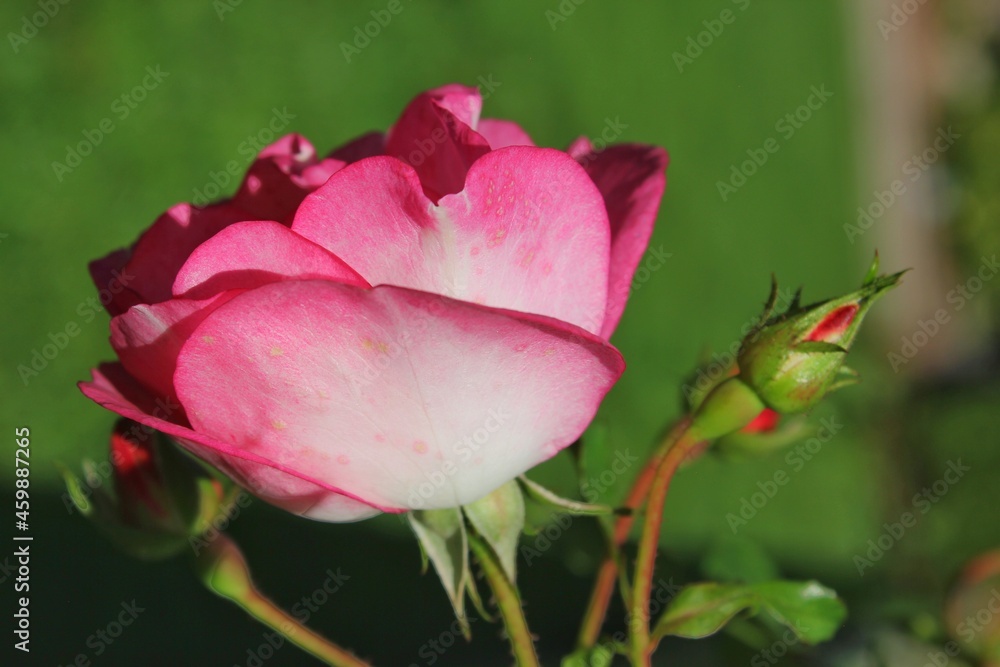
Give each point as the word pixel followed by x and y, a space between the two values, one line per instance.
pixel 407 323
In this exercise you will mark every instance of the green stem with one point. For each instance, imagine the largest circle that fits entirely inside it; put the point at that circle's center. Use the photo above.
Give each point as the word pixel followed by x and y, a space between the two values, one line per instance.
pixel 224 571
pixel 640 645
pixel 508 601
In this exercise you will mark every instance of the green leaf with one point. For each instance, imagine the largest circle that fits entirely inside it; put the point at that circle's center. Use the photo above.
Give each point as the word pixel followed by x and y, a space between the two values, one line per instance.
pixel 703 609
pixel 442 537
pixel 539 493
pixel 872 272
pixel 812 611
pixel 499 519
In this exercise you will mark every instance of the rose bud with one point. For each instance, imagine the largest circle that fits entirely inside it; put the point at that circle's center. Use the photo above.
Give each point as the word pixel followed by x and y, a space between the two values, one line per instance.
pixel 161 497
pixel 972 610
pixel 764 433
pixel 794 359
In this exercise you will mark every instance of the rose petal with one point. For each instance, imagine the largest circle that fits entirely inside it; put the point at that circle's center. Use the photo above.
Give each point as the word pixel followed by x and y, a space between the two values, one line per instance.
pixel 631 178
pixel 436 135
pixel 112 282
pixel 291 490
pixel 503 133
pixel 367 145
pixel 528 233
pixel 148 338
pixel 161 251
pixel 283 173
pixel 250 254
pixel 402 398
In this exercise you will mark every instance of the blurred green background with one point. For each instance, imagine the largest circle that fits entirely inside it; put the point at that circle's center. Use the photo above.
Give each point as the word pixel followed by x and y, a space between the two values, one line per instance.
pixel 561 70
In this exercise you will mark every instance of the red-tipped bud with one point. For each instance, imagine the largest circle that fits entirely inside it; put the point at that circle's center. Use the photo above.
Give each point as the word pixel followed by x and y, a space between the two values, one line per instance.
pixel 794 359
pixel 161 497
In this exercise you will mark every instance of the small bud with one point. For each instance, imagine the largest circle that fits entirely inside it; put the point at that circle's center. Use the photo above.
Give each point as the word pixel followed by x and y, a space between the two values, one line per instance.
pixel 160 499
pixel 972 611
pixel 794 359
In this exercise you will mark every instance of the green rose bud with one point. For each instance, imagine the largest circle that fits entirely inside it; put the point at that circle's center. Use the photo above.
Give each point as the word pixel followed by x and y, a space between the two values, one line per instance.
pixel 794 359
pixel 160 498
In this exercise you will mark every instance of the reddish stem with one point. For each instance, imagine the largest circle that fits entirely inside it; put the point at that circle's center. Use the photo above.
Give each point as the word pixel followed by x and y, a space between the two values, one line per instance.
pixel 640 644
pixel 607 575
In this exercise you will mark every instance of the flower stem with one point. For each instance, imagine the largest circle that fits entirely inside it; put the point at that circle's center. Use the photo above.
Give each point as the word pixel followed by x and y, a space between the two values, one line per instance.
pixel 604 586
pixel 223 570
pixel 508 602
pixel 639 640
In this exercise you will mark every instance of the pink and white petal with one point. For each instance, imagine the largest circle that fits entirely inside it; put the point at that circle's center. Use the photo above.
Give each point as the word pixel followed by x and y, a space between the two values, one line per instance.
pixel 433 136
pixel 111 283
pixel 148 338
pixel 114 389
pixel 631 178
pixel 250 254
pixel 283 173
pixel 503 133
pixel 403 398
pixel 163 248
pixel 528 233
pixel 367 145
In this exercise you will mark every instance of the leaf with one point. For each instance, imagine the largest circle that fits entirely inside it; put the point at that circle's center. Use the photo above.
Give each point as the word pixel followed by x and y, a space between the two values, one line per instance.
pixel 499 519
pixel 812 611
pixel 872 272
pixel 701 610
pixel 539 493
pixel 442 537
